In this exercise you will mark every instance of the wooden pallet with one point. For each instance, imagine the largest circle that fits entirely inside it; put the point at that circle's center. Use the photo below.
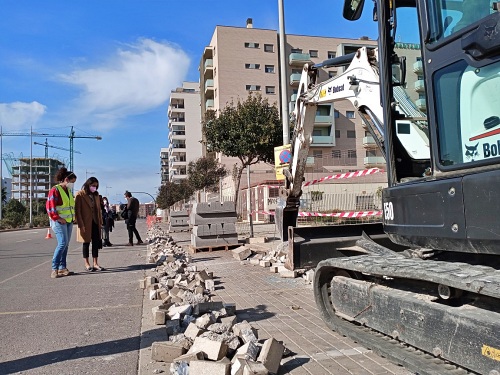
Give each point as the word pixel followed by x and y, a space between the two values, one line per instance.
pixel 199 249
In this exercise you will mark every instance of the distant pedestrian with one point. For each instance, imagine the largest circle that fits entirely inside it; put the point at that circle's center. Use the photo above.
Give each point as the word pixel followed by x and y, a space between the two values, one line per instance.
pixel 89 221
pixel 108 222
pixel 61 210
pixel 132 213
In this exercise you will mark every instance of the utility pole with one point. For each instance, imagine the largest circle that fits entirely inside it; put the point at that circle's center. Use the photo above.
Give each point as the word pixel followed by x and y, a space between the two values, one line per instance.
pixel 283 78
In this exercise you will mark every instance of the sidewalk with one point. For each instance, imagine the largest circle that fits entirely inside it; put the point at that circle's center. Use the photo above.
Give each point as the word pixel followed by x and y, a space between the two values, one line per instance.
pixel 285 309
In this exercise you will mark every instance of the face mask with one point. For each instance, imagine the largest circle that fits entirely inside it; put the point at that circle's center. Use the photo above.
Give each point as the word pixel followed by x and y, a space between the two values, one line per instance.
pixel 92 189
pixel 70 185
pixel 105 201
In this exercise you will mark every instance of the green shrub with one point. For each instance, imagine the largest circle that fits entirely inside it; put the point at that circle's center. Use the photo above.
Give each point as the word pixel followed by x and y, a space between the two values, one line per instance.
pixel 41 221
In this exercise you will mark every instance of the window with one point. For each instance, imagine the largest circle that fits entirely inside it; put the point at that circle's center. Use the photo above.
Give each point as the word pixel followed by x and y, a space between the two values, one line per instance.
pixel 296 50
pixel 337 114
pixel 332 73
pixel 371 153
pixel 318 154
pixel 252 66
pixel 313 52
pixel 253 87
pixel 351 154
pixel 351 134
pixel 251 45
pixel 270 90
pixel 403 128
pixel 316 133
pixel 350 114
pixel 336 154
pixel 269 68
pixel 419 58
pixel 268 48
pixel 332 54
pixel 337 133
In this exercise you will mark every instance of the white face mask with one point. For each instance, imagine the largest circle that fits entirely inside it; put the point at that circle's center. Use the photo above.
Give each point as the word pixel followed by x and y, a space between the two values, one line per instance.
pixel 105 201
pixel 70 185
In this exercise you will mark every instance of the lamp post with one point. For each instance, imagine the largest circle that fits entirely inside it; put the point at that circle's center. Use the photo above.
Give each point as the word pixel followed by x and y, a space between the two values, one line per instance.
pixel 108 187
pixel 87 173
pixel 143 192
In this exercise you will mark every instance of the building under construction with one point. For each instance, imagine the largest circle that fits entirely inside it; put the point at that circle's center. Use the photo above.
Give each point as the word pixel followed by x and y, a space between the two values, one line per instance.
pixel 39 178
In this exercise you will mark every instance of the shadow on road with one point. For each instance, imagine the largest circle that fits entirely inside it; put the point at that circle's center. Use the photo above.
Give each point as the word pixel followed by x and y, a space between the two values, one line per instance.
pixel 102 349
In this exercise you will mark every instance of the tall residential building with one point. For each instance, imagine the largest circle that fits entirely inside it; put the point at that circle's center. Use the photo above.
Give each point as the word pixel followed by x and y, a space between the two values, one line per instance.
pixel 184 129
pixel 240 60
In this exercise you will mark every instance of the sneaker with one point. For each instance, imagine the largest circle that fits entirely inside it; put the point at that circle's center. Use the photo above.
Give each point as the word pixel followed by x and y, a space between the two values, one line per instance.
pixel 54 274
pixel 63 272
pixel 140 242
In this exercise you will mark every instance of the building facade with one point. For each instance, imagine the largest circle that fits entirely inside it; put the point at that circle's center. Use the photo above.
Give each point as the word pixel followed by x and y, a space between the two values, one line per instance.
pixel 164 165
pixel 184 129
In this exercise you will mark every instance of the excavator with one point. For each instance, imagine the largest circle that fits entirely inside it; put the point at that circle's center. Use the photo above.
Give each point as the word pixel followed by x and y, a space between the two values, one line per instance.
pixel 428 298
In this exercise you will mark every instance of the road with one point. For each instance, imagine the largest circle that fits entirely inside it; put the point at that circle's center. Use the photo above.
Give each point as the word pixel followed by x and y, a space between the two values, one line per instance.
pixel 86 323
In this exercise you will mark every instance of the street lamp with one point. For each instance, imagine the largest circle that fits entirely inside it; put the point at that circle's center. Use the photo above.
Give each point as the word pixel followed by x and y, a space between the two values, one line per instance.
pixel 87 173
pixel 108 187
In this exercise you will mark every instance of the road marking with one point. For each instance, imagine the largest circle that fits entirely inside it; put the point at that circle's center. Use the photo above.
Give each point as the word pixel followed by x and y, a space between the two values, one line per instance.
pixel 22 273
pixel 69 310
pixel 29 239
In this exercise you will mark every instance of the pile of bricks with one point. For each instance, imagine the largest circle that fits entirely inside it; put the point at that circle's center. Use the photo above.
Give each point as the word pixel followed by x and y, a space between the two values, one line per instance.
pixel 274 259
pixel 214 224
pixel 205 335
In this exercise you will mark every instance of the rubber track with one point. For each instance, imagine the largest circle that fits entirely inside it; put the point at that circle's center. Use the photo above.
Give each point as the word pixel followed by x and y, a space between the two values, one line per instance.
pixel 477 279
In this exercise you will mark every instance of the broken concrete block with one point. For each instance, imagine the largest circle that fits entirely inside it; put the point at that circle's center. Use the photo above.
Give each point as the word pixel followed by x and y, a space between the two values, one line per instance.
pixel 210 285
pixel 288 274
pixel 181 310
pixel 255 368
pixel 202 275
pixel 158 315
pixel 230 308
pixel 231 320
pixel 173 327
pixel 142 284
pixel 188 357
pixel 192 331
pixel 309 276
pixel 248 351
pixel 152 294
pixel 265 263
pixel 270 355
pixel 150 280
pixel 237 366
pixel 241 253
pixel 213 350
pixel 209 368
pixel 204 321
pixel 165 351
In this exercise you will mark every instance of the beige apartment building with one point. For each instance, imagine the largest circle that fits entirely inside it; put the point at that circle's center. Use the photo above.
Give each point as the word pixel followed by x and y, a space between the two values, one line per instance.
pixel 184 130
pixel 240 60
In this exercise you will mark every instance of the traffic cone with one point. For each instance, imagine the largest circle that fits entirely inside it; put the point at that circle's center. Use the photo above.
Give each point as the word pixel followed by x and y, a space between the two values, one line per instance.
pixel 48 236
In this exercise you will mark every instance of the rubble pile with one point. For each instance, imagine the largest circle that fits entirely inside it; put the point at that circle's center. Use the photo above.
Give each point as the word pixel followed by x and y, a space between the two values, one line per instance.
pixel 275 260
pixel 205 335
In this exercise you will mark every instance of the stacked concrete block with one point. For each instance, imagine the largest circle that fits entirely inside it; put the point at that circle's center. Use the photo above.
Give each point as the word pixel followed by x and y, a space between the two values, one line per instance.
pixel 205 335
pixel 214 224
pixel 179 221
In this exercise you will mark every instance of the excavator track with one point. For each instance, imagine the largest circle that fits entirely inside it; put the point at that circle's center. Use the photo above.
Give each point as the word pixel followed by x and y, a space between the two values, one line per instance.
pixel 367 298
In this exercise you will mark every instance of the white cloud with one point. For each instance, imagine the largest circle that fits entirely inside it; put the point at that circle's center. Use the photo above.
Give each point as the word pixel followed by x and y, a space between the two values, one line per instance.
pixel 134 81
pixel 18 115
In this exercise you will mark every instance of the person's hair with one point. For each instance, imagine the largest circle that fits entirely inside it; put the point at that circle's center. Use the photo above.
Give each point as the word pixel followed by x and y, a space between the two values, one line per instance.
pixel 128 194
pixel 62 174
pixel 90 181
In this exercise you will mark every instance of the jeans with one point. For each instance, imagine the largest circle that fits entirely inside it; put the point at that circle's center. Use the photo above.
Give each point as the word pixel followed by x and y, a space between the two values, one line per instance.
pixel 63 235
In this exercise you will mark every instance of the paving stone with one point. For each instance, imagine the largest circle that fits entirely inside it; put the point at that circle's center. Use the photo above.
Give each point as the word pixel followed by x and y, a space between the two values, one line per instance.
pixel 192 331
pixel 271 354
pixel 213 350
pixel 188 357
pixel 209 368
pixel 165 351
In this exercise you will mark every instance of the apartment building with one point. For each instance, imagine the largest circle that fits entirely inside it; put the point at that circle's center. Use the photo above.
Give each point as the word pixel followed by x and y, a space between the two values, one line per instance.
pixel 184 129
pixel 240 60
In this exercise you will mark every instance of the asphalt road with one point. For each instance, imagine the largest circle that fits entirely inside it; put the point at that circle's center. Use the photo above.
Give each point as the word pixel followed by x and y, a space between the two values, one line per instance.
pixel 86 323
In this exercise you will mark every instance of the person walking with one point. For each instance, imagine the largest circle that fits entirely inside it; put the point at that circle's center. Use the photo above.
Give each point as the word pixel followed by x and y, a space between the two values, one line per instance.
pixel 60 207
pixel 89 220
pixel 108 222
pixel 132 213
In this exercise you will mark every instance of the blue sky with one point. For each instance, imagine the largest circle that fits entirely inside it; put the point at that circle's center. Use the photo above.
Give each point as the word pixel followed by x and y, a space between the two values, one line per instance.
pixel 107 68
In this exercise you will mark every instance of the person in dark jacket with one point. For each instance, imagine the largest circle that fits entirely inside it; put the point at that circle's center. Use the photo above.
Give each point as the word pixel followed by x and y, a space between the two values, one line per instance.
pixel 108 222
pixel 132 213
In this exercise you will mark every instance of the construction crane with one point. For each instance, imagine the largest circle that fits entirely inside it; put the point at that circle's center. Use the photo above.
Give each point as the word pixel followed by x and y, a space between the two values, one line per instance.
pixel 71 137
pixel 46 144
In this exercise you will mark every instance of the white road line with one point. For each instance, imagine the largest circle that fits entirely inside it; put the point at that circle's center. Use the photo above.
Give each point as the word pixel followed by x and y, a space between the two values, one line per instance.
pixel 29 239
pixel 22 273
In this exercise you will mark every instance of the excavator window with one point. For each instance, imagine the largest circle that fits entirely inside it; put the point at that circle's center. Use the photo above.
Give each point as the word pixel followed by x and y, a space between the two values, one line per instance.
pixel 448 17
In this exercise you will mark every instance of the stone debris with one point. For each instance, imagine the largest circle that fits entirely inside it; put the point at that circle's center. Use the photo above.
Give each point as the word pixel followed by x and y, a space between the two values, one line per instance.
pixel 205 335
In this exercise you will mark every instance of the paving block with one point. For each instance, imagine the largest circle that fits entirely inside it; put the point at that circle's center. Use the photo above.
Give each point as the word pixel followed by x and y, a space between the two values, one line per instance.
pixel 202 275
pixel 241 252
pixel 192 331
pixel 213 218
pixel 204 321
pixel 173 327
pixel 265 263
pixel 203 307
pixel 270 355
pixel 213 350
pixel 230 308
pixel 207 241
pixel 181 310
pixel 188 357
pixel 231 320
pixel 209 368
pixel 255 368
pixel 158 315
pixel 288 274
pixel 210 285
pixel 166 351
pixel 142 284
pixel 178 213
pixel 248 351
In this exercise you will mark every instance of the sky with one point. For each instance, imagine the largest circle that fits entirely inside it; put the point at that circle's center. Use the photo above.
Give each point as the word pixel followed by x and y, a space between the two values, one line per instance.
pixel 106 68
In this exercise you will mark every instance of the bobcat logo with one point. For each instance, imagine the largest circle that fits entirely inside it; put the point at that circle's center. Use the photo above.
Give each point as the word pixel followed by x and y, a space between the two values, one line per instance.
pixel 471 152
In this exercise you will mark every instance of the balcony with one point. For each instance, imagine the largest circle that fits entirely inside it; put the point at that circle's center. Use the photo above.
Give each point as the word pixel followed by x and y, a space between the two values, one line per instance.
pixel 293 98
pixel 177 119
pixel 323 119
pixel 299 59
pixel 420 103
pixel 209 63
pixel 374 161
pixel 178 145
pixel 294 79
pixel 322 141
pixel 209 84
pixel 369 142
pixel 209 104
pixel 420 85
pixel 418 67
